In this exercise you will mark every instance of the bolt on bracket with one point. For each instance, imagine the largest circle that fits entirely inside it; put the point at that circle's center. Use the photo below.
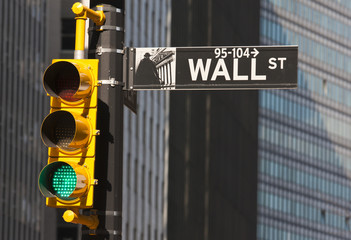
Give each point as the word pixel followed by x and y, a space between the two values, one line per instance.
pixel 112 81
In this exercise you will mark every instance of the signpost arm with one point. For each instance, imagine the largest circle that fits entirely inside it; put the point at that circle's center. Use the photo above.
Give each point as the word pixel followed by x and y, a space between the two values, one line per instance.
pixel 107 46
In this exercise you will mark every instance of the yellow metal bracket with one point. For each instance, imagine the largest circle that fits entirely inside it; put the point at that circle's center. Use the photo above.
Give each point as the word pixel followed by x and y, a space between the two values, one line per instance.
pixel 82 13
pixel 73 216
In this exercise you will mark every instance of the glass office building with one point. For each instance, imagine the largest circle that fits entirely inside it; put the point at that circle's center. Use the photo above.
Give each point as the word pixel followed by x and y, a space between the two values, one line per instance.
pixel 304 189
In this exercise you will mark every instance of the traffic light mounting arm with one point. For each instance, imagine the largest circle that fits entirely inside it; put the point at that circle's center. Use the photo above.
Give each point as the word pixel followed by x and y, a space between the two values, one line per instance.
pixel 73 216
pixel 82 13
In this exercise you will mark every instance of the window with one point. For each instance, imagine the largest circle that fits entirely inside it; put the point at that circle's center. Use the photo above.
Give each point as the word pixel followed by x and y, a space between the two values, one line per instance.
pixel 68 33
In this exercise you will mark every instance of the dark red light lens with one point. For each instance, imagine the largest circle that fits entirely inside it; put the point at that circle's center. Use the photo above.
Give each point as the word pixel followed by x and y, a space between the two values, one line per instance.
pixel 66 87
pixel 62 80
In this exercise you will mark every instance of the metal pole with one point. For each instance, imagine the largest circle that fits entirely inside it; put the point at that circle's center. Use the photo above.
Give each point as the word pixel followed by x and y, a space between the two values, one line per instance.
pixel 106 44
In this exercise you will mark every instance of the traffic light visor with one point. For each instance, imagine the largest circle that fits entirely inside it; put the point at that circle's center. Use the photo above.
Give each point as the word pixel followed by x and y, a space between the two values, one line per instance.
pixel 62 180
pixel 58 179
pixel 65 130
pixel 68 80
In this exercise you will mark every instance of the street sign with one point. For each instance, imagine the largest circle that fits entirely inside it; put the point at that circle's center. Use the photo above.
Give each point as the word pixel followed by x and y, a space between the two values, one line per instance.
pixel 206 68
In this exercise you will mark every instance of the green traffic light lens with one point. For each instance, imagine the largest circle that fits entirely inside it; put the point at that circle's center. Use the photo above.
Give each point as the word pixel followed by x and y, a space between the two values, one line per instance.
pixel 64 181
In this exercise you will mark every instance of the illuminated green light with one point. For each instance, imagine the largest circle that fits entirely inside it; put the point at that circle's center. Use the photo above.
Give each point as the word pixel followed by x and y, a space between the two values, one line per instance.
pixel 64 180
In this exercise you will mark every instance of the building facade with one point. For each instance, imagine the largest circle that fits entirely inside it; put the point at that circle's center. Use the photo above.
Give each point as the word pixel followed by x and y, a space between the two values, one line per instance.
pixel 23 105
pixel 213 134
pixel 145 183
pixel 304 134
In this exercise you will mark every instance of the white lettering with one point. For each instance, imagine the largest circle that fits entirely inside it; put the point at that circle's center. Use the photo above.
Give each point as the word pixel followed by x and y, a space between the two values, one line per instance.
pixel 273 64
pixel 253 71
pixel 236 72
pixel 282 62
pixel 199 69
pixel 220 70
pixel 246 53
pixel 194 71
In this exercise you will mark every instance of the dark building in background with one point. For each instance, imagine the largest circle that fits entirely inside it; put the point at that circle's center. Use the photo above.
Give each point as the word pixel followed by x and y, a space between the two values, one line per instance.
pixel 303 156
pixel 213 135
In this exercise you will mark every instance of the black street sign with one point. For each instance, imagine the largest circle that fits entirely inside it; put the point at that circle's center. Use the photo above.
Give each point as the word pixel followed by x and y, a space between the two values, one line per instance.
pixel 206 68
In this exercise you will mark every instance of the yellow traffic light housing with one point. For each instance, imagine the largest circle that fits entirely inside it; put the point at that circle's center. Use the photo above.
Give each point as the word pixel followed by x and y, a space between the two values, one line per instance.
pixel 68 184
pixel 71 82
pixel 69 131
pixel 70 127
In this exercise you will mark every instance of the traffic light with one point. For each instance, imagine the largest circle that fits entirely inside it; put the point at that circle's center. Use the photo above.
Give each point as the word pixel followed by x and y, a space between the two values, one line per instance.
pixel 69 131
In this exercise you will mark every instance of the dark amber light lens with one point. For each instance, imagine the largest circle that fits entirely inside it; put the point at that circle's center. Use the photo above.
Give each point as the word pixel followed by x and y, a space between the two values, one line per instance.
pixel 58 129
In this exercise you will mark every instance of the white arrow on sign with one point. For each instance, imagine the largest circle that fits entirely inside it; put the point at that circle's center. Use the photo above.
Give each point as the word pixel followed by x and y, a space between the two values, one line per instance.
pixel 255 52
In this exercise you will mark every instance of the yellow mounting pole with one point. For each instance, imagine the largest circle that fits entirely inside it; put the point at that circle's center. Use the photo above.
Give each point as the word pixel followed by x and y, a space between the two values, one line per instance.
pixel 82 13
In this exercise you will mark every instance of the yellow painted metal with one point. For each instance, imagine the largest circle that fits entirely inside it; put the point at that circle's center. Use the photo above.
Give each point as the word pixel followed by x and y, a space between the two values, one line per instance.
pixel 72 87
pixel 79 9
pixel 83 195
pixel 83 111
pixel 80 34
pixel 82 11
pixel 85 136
pixel 75 134
pixel 84 181
pixel 78 149
pixel 87 72
pixel 73 216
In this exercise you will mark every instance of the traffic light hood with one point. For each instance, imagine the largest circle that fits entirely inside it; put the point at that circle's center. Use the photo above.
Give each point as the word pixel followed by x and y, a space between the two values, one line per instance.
pixel 70 81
